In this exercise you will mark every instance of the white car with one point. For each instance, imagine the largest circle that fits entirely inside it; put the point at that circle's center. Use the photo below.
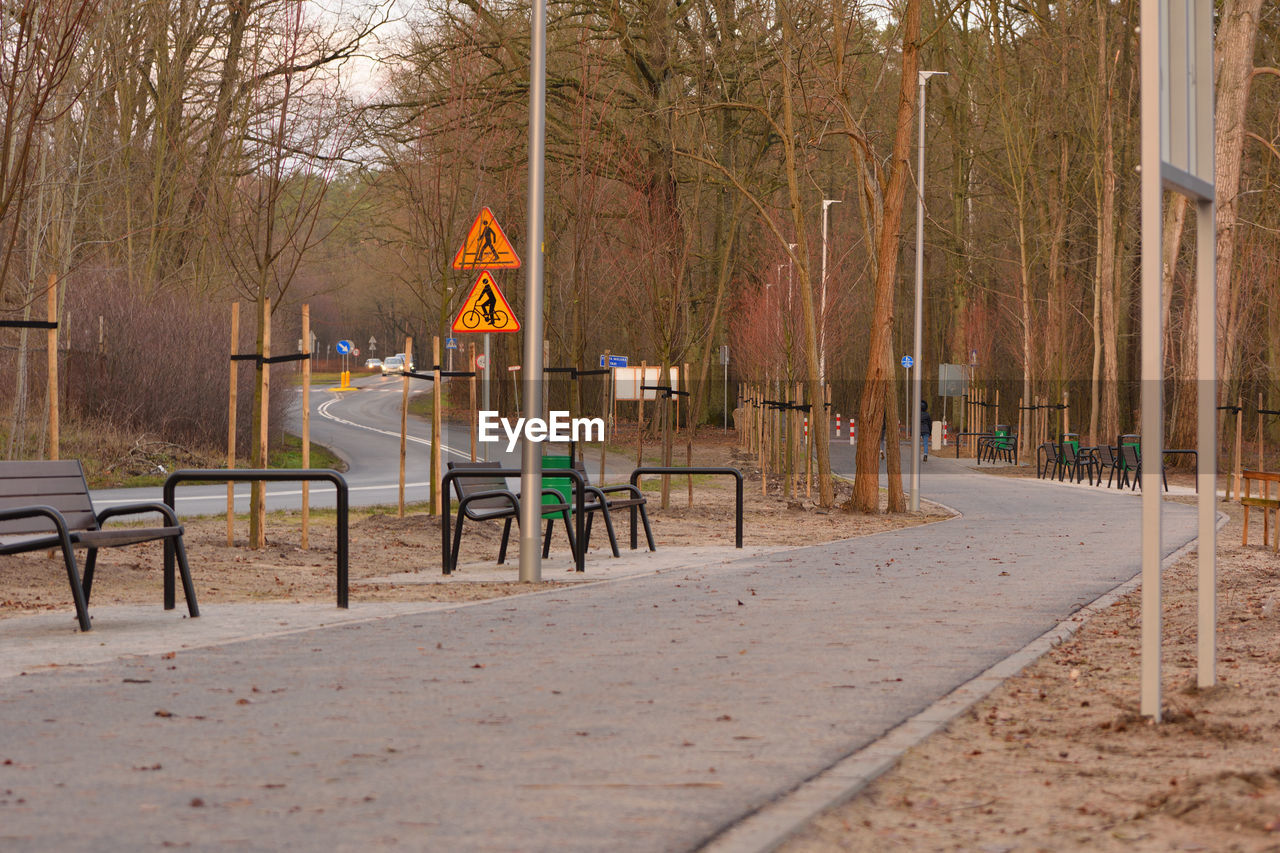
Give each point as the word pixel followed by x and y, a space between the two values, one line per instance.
pixel 394 364
pixel 373 364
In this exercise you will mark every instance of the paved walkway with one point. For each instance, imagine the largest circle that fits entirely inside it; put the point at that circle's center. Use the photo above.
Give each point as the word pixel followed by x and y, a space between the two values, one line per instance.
pixel 649 713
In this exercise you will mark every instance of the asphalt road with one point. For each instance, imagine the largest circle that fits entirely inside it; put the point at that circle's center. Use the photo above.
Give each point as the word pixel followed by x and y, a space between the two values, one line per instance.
pixel 362 427
pixel 644 714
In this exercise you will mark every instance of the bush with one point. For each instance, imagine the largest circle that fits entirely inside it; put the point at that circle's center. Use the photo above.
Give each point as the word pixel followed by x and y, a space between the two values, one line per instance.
pixel 160 367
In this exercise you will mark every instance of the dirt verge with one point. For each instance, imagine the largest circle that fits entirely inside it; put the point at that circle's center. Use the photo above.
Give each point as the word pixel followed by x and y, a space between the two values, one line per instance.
pixel 1059 759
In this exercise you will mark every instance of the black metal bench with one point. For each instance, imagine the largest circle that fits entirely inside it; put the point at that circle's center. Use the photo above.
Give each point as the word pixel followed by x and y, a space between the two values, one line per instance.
pixel 45 505
pixel 607 499
pixel 483 495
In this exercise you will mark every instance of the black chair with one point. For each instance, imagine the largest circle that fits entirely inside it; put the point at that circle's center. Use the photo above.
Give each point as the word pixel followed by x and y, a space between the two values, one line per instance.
pixel 1047 460
pixel 602 501
pixel 1076 462
pixel 1130 463
pixel 628 496
pixel 1001 446
pixel 1106 458
pixel 487 498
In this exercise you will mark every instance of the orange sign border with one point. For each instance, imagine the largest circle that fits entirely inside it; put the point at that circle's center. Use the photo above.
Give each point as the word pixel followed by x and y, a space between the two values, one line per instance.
pixel 468 304
pixel 501 245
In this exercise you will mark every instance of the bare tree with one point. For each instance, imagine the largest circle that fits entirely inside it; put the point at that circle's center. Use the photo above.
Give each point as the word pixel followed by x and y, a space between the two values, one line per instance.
pixel 289 143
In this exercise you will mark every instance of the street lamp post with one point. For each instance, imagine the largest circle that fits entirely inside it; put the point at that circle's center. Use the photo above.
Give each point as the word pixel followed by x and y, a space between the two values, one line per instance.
pixel 530 451
pixel 916 367
pixel 822 298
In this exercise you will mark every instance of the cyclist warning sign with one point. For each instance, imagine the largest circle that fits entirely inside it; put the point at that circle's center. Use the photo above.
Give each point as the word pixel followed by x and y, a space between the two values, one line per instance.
pixel 486 309
pixel 486 247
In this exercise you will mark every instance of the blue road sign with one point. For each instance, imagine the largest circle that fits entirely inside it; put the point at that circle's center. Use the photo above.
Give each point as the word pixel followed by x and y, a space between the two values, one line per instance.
pixel 344 347
pixel 450 343
pixel 613 361
pixel 907 361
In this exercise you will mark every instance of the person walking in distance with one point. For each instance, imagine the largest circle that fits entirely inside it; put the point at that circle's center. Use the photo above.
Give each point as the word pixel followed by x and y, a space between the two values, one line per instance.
pixel 926 428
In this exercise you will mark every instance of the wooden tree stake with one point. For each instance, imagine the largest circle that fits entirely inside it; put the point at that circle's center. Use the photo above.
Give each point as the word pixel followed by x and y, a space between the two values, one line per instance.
pixel 53 367
pixel 436 418
pixel 471 415
pixel 231 422
pixel 404 417
pixel 261 541
pixel 306 425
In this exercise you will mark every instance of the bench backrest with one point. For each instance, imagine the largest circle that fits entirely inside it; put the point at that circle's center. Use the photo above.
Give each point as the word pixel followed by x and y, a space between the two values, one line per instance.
pixel 1129 457
pixel 1263 478
pixel 58 483
pixel 465 486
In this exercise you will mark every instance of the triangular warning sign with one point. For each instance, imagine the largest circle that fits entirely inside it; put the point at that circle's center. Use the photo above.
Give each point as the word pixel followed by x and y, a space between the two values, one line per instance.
pixel 486 309
pixel 486 247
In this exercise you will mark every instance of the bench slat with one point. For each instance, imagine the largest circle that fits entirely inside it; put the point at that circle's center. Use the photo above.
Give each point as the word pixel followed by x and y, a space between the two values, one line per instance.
pixel 35 488
pixel 39 469
pixel 58 483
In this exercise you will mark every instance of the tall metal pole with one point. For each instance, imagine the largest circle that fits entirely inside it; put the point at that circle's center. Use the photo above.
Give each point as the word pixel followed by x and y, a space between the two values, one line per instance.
pixel 913 410
pixel 487 368
pixel 1207 437
pixel 1152 420
pixel 822 298
pixel 530 452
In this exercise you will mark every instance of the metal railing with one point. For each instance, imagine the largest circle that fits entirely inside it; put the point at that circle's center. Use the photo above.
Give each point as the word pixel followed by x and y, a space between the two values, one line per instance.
pixel 260 475
pixel 671 469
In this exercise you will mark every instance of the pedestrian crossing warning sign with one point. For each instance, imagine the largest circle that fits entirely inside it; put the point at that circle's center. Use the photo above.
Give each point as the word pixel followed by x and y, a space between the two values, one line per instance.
pixel 486 309
pixel 486 247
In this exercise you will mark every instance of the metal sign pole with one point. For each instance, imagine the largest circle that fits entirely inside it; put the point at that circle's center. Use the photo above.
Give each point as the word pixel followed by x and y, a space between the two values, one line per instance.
pixel 1152 366
pixel 1177 153
pixel 1207 441
pixel 487 366
pixel 530 455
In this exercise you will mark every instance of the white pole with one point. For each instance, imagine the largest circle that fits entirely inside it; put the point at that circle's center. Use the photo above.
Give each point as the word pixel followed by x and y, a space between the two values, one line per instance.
pixel 1207 441
pixel 531 455
pixel 913 410
pixel 1152 421
pixel 822 299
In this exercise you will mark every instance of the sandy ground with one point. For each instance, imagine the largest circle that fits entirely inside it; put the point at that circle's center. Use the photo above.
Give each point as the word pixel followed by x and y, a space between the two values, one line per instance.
pixel 381 543
pixel 1057 759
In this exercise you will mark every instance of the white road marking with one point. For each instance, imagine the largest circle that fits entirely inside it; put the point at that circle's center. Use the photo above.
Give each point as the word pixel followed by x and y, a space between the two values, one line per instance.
pixel 323 411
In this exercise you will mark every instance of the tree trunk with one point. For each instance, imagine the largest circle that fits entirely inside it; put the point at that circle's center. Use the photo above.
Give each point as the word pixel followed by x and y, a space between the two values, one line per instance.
pixel 1237 34
pixel 816 397
pixel 1110 327
pixel 866 493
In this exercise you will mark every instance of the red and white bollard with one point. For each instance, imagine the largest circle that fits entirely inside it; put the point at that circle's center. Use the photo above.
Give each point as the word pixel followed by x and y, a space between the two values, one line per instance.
pixel 946 434
pixel 806 430
pixel 853 431
pixel 837 424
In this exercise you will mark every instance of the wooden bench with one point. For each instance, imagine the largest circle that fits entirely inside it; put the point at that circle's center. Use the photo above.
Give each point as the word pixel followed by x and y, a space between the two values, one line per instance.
pixel 1264 502
pixel 45 505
